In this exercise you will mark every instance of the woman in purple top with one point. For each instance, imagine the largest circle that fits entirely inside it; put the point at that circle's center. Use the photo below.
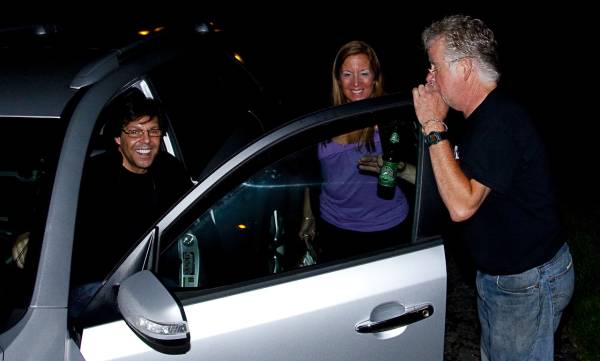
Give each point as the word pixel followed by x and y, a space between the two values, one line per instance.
pixel 352 218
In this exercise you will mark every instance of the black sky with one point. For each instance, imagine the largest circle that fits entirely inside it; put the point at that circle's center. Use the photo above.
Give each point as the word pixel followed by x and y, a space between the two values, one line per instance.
pixel 290 46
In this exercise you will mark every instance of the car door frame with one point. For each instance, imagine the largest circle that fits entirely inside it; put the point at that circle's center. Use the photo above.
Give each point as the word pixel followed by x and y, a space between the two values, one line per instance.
pixel 47 314
pixel 427 201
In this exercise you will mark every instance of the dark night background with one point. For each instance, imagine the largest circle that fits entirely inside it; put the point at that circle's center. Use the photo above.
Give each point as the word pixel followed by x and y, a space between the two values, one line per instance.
pixel 290 46
pixel 546 55
pixel 542 54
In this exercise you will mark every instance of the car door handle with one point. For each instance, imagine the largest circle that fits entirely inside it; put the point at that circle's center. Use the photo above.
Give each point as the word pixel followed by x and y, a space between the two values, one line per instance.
pixel 419 313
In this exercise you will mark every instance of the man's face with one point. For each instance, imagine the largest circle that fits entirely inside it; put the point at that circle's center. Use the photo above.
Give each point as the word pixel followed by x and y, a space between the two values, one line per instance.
pixel 139 152
pixel 444 75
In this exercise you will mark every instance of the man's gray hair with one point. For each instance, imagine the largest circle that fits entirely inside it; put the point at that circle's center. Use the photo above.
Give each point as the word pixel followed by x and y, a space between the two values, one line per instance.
pixel 466 37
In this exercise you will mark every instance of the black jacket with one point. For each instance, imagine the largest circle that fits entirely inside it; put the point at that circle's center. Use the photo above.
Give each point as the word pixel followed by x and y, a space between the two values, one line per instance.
pixel 116 207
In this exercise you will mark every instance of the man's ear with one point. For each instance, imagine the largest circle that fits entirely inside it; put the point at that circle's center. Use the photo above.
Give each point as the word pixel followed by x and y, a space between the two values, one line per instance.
pixel 467 67
pixel 118 140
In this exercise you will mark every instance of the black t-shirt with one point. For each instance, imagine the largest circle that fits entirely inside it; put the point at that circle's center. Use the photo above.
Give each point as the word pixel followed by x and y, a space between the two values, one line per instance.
pixel 517 227
pixel 116 207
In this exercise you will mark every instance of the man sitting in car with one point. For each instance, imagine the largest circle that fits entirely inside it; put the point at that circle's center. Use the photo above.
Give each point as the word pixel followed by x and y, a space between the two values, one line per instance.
pixel 124 190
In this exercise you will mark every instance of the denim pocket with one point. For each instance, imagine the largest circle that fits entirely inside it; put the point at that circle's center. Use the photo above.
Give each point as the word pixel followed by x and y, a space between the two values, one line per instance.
pixel 561 266
pixel 509 311
pixel 522 283
pixel 561 279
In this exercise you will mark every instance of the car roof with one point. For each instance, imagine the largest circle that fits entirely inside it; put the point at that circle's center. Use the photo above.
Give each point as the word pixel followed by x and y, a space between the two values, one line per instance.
pixel 43 66
pixel 38 63
pixel 37 82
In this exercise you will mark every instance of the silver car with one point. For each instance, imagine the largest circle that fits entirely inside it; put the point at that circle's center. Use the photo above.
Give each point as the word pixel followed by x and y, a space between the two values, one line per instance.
pixel 222 275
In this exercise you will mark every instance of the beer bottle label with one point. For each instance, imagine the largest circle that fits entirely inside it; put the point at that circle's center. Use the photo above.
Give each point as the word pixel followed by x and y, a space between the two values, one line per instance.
pixel 387 174
pixel 394 138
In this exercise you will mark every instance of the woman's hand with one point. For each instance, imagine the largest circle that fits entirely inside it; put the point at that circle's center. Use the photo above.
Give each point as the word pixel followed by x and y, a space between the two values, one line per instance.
pixel 370 163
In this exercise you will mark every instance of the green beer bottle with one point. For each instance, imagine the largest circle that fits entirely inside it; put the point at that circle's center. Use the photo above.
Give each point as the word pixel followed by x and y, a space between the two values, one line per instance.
pixel 386 185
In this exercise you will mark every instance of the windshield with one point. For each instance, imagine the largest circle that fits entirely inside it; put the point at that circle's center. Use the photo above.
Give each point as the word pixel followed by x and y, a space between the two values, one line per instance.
pixel 29 150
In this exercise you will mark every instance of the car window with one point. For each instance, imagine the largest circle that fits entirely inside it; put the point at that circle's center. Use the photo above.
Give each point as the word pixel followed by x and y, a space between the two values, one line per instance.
pixel 27 168
pixel 209 99
pixel 252 231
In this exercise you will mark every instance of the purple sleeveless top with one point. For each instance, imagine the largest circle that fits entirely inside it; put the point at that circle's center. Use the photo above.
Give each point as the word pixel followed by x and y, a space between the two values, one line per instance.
pixel 349 198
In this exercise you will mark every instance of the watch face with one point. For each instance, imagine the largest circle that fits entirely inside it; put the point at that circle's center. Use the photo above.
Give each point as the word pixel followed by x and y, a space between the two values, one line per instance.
pixel 434 138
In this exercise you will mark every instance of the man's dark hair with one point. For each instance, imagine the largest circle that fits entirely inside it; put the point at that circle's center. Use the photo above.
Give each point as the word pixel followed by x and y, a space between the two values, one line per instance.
pixel 126 108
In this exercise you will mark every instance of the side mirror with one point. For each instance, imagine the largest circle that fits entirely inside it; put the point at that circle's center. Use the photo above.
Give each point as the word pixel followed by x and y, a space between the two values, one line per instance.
pixel 153 313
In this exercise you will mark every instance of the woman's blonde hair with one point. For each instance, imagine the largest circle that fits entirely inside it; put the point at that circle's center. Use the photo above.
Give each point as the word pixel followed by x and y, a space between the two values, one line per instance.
pixel 355 47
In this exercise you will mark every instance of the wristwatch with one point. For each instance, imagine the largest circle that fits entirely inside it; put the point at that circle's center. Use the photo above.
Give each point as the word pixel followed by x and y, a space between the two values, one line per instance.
pixel 435 138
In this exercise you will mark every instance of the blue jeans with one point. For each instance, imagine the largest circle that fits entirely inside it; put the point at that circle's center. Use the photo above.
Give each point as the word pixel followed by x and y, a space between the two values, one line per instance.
pixel 519 313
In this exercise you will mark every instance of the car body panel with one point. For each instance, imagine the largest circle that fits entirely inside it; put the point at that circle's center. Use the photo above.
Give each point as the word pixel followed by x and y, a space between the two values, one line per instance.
pixel 42 331
pixel 306 319
pixel 305 314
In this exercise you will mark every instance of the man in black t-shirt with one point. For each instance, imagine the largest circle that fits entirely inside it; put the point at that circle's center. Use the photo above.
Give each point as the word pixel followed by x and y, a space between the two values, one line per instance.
pixel 124 191
pixel 496 182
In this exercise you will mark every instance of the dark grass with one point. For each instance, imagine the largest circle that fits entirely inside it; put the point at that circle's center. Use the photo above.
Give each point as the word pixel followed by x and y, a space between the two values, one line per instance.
pixel 583 323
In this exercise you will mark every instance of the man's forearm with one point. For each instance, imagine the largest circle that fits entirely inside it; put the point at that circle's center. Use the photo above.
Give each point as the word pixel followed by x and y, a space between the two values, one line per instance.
pixel 453 185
